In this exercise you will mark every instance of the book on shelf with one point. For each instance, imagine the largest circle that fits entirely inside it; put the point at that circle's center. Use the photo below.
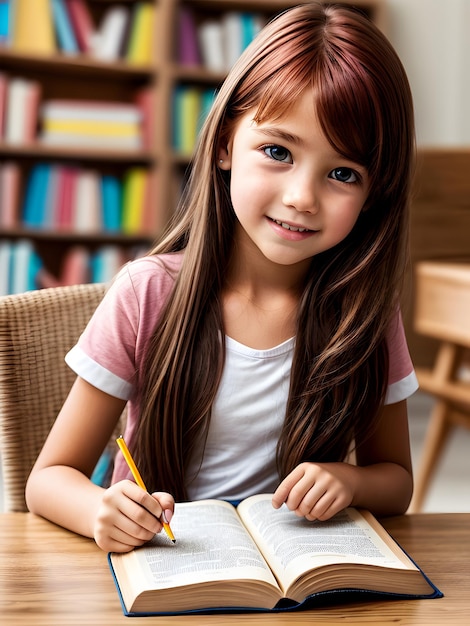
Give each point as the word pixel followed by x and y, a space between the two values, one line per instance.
pixel 82 24
pixel 254 557
pixel 63 217
pixel 211 44
pixel 145 101
pixel 75 269
pixel 109 38
pixel 66 39
pixel 5 22
pixel 32 27
pixel 142 34
pixel 5 260
pixel 10 182
pixel 19 266
pixel 190 107
pixel 22 99
pixel 4 80
pixel 36 197
pixel 134 200
pixel 222 40
pixel 188 46
pixel 87 212
pixel 91 124
pixel 111 194
pixel 105 263
pixel 69 198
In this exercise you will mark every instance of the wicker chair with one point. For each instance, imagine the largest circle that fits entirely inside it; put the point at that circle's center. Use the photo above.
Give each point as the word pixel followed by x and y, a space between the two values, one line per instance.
pixel 37 329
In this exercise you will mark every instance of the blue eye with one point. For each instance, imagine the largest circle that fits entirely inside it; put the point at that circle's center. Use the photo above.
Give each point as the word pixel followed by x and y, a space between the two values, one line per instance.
pixel 344 175
pixel 278 153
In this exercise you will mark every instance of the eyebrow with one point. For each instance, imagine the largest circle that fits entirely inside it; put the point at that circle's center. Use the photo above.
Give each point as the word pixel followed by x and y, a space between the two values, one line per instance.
pixel 278 133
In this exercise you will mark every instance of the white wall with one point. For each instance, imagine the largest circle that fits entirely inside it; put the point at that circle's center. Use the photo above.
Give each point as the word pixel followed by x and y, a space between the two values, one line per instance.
pixel 432 38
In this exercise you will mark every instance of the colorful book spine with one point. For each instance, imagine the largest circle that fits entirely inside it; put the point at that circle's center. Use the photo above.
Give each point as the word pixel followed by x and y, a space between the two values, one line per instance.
pixel 111 202
pixel 105 263
pixel 34 206
pixel 4 81
pixel 10 183
pixel 222 41
pixel 141 38
pixel 94 125
pixel 88 206
pixel 33 30
pixel 82 24
pixel 67 198
pixel 109 38
pixel 5 266
pixel 5 22
pixel 63 27
pixel 21 104
pixel 190 108
pixel 188 45
pixel 133 200
pixel 24 267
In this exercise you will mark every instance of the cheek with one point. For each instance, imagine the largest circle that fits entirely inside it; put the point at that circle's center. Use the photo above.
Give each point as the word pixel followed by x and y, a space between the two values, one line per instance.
pixel 345 220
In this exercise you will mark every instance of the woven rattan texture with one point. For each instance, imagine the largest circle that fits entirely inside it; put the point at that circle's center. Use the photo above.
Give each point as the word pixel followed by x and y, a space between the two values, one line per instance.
pixel 37 329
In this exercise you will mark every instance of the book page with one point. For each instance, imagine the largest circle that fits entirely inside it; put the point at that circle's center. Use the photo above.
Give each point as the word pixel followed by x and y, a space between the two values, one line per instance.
pixel 211 544
pixel 293 545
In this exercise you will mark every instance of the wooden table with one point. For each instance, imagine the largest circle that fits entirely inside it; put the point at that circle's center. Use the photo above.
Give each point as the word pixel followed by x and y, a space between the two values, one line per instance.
pixel 52 577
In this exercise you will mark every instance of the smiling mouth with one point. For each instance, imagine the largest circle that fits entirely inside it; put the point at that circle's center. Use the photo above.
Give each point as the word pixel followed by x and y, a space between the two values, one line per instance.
pixel 295 229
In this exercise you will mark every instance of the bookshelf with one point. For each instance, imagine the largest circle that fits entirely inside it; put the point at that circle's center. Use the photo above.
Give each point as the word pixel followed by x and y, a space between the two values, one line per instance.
pixel 83 76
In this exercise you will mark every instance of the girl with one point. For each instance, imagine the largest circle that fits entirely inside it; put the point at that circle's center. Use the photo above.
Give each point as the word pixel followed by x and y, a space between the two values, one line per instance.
pixel 261 339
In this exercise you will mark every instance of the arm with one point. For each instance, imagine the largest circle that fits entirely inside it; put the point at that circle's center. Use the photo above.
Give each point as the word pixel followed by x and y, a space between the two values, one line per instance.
pixel 381 482
pixel 59 487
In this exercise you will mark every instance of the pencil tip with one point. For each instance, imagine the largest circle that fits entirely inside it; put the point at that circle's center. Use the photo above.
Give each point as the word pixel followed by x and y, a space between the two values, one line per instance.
pixel 173 540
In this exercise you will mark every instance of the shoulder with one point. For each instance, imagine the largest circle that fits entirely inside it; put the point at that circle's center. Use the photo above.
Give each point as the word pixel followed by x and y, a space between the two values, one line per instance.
pixel 145 281
pixel 157 272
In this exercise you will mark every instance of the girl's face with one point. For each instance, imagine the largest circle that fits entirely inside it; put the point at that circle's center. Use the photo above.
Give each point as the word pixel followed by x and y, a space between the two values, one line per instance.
pixel 293 194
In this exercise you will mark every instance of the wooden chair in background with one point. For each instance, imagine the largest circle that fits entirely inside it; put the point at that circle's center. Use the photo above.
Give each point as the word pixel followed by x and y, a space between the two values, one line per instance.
pixel 37 329
pixel 442 312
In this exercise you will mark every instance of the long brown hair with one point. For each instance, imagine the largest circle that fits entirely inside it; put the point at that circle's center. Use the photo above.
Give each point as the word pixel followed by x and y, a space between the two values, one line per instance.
pixel 340 363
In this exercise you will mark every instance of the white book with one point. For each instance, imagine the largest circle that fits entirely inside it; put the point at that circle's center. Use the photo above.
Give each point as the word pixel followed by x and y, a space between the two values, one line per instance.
pixel 232 37
pixel 108 40
pixel 16 110
pixel 87 110
pixel 210 35
pixel 91 141
pixel 23 266
pixel 87 210
pixel 5 266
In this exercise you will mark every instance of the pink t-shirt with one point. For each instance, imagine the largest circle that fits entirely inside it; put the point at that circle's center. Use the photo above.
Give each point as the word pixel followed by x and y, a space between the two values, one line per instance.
pixel 112 347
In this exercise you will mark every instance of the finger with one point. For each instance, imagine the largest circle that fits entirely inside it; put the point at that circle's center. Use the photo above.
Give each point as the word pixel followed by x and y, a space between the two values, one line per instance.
pixel 167 503
pixel 283 491
pixel 130 534
pixel 140 508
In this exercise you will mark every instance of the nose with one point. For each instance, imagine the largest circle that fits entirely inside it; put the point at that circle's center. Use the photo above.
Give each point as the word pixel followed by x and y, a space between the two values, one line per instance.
pixel 300 192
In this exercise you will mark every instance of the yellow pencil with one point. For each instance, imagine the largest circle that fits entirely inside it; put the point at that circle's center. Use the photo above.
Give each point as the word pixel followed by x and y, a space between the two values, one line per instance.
pixel 138 479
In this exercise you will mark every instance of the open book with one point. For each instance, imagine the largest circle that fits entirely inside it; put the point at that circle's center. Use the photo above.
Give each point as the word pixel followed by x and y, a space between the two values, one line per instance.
pixel 257 557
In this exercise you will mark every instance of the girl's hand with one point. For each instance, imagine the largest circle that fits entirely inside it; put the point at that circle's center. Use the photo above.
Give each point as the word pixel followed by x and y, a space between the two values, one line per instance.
pixel 128 516
pixel 316 491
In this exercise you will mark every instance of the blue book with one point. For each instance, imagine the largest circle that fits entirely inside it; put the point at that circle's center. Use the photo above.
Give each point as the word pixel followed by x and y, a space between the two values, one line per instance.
pixel 25 267
pixel 207 100
pixel 6 253
pixel 5 22
pixel 248 29
pixel 34 207
pixel 63 28
pixel 111 194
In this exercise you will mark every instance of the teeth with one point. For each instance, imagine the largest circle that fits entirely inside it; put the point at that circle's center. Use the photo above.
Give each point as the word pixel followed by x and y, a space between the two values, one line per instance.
pixel 294 228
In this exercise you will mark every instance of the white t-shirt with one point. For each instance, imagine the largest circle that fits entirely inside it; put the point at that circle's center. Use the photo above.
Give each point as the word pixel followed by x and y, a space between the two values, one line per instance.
pixel 240 452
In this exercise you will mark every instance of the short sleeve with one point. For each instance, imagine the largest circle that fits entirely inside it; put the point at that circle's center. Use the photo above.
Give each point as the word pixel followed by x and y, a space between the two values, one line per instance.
pixel 402 380
pixel 109 351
